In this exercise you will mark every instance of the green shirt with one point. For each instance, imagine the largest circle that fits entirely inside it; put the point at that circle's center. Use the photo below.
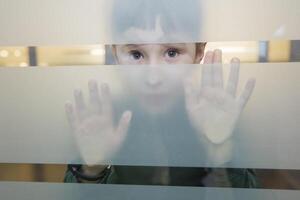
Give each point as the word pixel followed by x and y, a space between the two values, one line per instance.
pixel 175 176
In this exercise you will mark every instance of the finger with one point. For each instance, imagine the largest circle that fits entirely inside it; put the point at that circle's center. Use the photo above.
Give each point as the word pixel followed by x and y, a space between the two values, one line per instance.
pixel 94 96
pixel 124 124
pixel 191 95
pixel 207 70
pixel 106 100
pixel 208 59
pixel 79 103
pixel 217 69
pixel 71 116
pixel 247 92
pixel 233 77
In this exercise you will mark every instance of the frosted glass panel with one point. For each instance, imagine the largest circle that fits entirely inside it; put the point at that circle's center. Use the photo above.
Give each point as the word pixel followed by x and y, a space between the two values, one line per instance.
pixel 73 22
pixel 150 121
pixel 45 191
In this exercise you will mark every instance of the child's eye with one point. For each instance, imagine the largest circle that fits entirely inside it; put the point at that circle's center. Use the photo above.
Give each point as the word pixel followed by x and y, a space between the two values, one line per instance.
pixel 172 53
pixel 136 55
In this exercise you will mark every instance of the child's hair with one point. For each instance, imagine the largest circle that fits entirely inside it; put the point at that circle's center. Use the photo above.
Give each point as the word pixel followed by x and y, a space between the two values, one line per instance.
pixel 177 17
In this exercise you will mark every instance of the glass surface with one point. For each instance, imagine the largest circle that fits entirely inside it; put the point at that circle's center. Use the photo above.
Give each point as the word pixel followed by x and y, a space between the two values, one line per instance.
pixel 77 22
pixel 34 126
pixel 176 131
pixel 35 191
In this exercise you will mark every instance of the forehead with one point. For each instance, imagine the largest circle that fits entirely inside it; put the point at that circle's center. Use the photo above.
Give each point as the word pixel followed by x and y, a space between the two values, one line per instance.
pixel 155 21
pixel 155 46
pixel 153 36
pixel 147 35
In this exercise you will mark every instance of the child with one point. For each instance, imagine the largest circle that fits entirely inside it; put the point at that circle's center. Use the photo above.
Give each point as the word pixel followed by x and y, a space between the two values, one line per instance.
pixel 212 110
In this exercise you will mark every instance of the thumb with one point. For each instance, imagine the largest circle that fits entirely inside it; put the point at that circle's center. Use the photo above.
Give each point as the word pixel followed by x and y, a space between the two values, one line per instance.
pixel 124 123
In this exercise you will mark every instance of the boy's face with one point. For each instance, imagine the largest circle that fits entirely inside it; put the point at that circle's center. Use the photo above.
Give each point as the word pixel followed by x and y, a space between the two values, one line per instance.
pixel 157 85
pixel 156 54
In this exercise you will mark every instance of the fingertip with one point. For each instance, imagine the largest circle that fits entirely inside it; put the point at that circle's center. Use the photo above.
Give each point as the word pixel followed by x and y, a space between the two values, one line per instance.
pixel 235 60
pixel 217 56
pixel 218 51
pixel 92 84
pixel 208 57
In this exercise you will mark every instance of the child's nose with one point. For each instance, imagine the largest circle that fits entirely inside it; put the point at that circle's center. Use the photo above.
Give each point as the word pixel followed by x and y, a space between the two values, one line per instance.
pixel 154 80
pixel 154 61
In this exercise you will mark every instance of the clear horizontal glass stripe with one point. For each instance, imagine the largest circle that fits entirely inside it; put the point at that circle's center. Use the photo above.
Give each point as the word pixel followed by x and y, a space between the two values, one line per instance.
pixel 34 128
pixel 72 22
pixel 45 191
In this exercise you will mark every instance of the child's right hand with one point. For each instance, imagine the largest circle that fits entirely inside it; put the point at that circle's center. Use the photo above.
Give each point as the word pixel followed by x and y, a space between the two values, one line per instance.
pixel 97 137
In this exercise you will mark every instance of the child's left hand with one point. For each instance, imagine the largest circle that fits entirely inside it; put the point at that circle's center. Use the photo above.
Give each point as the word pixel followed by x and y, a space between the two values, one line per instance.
pixel 214 110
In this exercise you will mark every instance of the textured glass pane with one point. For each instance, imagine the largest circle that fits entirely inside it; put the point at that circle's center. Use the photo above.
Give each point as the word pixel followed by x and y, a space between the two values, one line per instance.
pixel 45 191
pixel 73 22
pixel 168 127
